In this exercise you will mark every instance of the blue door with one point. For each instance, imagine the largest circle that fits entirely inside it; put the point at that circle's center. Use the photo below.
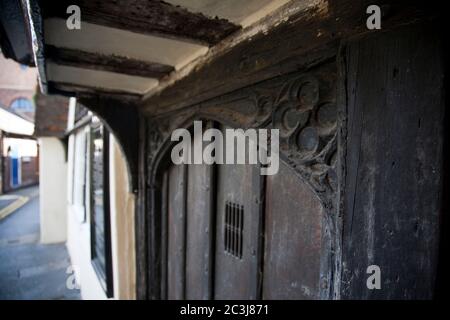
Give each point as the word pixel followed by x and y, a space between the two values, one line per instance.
pixel 14 172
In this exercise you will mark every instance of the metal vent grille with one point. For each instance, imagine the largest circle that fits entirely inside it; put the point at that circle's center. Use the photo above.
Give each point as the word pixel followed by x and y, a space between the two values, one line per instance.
pixel 234 229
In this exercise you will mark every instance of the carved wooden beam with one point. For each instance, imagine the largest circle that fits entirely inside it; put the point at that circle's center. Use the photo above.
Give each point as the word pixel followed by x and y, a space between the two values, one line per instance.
pixel 291 39
pixel 147 17
pixel 111 63
pixel 80 91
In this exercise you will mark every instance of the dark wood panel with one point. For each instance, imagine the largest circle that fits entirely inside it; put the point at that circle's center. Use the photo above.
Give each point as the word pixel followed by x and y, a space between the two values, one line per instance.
pixel 144 263
pixel 148 17
pixel 176 255
pixel 394 163
pixel 293 238
pixel 164 232
pixel 90 92
pixel 199 232
pixel 111 63
pixel 237 275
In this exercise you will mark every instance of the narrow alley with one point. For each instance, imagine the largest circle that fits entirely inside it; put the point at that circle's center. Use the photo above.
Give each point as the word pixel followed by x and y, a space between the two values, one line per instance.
pixel 29 269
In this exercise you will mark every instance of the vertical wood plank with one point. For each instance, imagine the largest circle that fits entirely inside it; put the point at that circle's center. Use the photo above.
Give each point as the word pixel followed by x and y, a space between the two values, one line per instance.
pixel 237 277
pixel 176 262
pixel 140 221
pixel 394 163
pixel 164 232
pixel 293 238
pixel 199 231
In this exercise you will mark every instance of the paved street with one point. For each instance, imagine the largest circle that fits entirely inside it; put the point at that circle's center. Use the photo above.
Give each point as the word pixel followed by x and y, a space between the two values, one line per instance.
pixel 28 269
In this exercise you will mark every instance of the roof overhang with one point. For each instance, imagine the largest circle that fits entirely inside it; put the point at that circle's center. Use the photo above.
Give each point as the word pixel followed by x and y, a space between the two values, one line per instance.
pixel 15 125
pixel 129 48
pixel 15 36
pixel 165 55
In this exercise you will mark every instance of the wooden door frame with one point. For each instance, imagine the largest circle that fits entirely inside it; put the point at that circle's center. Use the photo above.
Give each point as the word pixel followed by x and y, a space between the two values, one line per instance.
pixel 267 101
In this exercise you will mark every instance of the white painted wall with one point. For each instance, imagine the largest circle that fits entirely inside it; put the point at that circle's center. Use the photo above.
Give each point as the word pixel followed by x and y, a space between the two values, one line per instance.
pixel 79 247
pixel 52 189
pixel 122 226
pixel 122 232
pixel 12 123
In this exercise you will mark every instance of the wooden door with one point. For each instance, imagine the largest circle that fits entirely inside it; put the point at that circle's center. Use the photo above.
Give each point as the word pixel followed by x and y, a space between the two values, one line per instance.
pixel 189 231
pixel 293 236
pixel 199 231
pixel 234 234
pixel 176 249
pixel 238 229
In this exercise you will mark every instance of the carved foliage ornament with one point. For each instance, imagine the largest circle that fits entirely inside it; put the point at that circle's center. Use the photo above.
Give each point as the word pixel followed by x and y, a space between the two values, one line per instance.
pixel 307 119
pixel 304 110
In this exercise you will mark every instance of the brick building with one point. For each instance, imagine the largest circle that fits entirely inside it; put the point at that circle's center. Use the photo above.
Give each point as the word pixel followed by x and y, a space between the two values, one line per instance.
pixel 17 92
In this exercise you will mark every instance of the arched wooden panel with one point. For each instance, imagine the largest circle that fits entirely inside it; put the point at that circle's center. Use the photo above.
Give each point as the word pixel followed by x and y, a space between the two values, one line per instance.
pixel 238 224
pixel 264 244
pixel 293 238
pixel 176 224
pixel 199 231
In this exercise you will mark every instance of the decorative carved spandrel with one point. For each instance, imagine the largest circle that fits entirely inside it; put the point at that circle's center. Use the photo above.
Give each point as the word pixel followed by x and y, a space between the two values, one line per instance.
pixel 306 117
pixel 301 105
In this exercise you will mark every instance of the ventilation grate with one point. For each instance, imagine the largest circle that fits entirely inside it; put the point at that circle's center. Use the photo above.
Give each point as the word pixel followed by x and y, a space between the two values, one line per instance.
pixel 234 229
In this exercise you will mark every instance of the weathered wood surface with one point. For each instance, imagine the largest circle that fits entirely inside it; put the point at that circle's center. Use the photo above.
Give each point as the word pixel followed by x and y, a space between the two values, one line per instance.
pixel 258 106
pixel 111 63
pixel 282 43
pixel 148 17
pixel 176 247
pixel 91 93
pixel 141 217
pixel 235 277
pixel 394 162
pixel 293 238
pixel 199 232
pixel 390 85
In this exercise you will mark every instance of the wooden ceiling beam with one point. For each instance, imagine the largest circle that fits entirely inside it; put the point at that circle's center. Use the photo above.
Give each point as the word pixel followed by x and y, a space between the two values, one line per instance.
pixel 81 91
pixel 297 39
pixel 146 17
pixel 111 63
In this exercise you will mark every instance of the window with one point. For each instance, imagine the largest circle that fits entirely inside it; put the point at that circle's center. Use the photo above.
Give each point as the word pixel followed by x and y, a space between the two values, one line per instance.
pixel 79 176
pixel 99 195
pixel 22 105
pixel 80 112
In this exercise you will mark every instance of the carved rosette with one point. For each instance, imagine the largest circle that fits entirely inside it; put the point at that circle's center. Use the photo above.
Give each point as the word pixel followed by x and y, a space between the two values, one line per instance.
pixel 304 110
pixel 307 124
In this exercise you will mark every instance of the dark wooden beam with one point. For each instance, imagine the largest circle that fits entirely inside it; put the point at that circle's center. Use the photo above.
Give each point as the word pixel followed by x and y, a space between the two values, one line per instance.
pixel 32 13
pixel 147 17
pixel 79 91
pixel 17 135
pixel 111 63
pixel 296 40
pixel 15 39
pixel 393 197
